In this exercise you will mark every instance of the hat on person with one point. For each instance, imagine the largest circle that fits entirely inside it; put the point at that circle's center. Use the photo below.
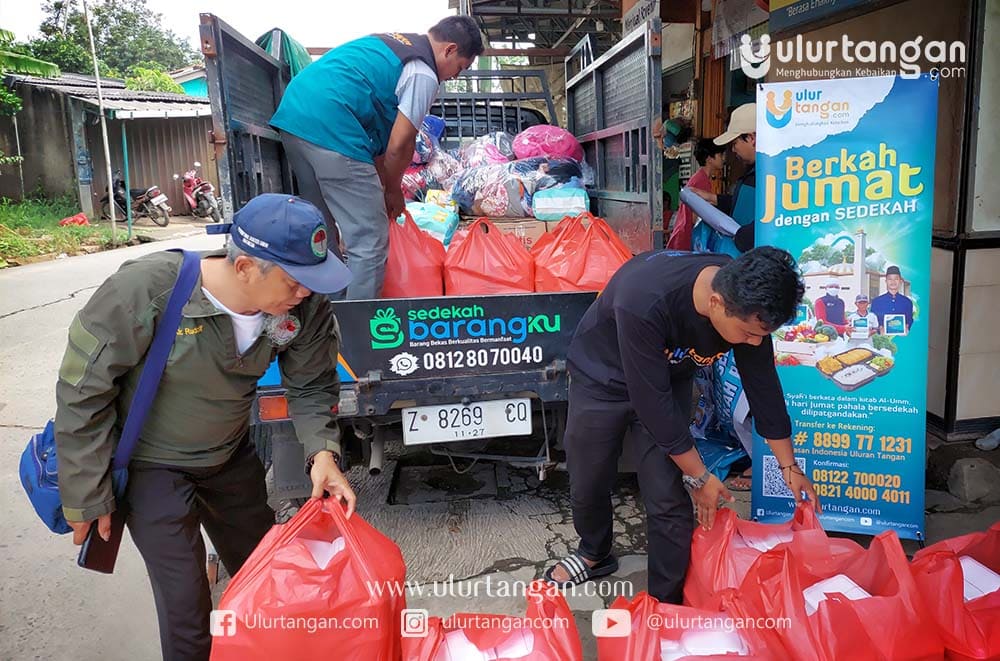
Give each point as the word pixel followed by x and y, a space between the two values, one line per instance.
pixel 861 298
pixel 743 120
pixel 834 284
pixel 292 233
pixel 893 270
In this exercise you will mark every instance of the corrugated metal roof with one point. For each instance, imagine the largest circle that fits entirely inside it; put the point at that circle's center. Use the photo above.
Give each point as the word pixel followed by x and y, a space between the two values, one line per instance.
pixel 67 80
pixel 128 109
pixel 121 102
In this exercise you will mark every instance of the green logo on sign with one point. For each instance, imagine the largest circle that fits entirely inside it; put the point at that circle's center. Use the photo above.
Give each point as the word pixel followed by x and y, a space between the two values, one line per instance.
pixel 385 329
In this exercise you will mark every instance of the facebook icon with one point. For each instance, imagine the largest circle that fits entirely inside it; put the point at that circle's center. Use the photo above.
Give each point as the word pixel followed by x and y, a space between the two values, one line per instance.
pixel 223 623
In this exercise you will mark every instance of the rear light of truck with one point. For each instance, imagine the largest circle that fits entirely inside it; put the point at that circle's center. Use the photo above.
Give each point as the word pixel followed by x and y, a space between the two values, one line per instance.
pixel 273 408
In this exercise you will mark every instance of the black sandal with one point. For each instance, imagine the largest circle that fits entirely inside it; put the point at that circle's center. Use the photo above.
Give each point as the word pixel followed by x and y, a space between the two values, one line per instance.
pixel 578 570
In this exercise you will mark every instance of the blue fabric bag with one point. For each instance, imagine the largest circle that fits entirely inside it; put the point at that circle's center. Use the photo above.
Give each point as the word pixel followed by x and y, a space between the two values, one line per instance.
pixel 39 470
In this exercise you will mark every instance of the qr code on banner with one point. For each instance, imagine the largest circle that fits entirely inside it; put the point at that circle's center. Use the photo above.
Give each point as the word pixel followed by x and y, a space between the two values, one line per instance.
pixel 774 483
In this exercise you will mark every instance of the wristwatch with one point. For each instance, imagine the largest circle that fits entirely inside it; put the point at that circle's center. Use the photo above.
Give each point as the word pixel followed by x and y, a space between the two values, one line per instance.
pixel 695 483
pixel 312 459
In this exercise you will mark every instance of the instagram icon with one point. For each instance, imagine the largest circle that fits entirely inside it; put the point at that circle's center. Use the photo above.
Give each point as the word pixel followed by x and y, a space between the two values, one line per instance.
pixel 413 622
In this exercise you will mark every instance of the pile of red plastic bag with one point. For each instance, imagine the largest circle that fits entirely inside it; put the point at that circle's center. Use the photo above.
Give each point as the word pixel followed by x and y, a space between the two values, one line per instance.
pixel 790 592
pixel 580 254
pixel 324 586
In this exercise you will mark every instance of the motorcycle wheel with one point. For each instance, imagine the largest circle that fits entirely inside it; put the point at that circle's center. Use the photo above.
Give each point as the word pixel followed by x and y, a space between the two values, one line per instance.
pixel 215 213
pixel 120 215
pixel 160 215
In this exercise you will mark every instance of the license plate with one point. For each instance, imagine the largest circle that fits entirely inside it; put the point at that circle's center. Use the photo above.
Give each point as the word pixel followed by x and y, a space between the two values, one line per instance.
pixel 459 422
pixel 158 200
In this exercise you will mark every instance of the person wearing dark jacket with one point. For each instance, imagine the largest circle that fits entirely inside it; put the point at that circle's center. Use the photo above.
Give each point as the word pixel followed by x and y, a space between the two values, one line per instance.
pixel 740 205
pixel 662 316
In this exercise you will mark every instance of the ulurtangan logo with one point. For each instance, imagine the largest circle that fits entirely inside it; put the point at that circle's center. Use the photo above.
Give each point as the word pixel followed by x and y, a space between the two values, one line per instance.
pixel 755 64
pixel 404 363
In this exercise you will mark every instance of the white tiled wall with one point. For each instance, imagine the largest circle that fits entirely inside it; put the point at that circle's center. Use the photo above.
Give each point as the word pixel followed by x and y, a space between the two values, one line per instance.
pixel 940 307
pixel 979 366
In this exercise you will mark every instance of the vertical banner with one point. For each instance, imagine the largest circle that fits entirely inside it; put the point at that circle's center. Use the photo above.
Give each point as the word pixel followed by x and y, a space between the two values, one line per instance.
pixel 845 178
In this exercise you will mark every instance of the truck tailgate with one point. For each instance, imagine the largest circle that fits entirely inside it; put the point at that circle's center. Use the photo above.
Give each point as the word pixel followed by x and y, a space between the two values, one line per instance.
pixel 424 349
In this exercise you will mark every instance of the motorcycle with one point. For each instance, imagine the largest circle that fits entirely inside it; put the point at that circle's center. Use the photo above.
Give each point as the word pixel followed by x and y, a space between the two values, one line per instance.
pixel 200 195
pixel 146 202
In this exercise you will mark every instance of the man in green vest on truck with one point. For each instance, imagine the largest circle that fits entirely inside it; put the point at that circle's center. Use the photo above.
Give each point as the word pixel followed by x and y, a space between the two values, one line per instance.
pixel 348 123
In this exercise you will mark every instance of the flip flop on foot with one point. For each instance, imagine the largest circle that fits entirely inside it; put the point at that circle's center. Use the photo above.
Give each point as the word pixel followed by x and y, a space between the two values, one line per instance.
pixel 579 571
pixel 741 482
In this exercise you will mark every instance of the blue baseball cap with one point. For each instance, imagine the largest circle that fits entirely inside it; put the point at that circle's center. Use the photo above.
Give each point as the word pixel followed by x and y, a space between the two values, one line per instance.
pixel 292 233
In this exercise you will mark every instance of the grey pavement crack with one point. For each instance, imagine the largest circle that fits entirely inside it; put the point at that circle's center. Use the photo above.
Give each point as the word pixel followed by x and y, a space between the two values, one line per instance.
pixel 45 305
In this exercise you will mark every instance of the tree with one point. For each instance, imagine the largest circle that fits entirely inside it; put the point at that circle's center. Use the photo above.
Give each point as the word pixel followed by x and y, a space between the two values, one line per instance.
pixel 127 33
pixel 67 54
pixel 151 81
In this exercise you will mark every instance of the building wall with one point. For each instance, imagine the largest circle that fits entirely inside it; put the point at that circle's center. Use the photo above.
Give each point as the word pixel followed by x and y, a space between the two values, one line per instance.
pixel 44 128
pixel 937 364
pixel 986 204
pixel 157 149
pixel 979 352
pixel 678 44
pixel 196 87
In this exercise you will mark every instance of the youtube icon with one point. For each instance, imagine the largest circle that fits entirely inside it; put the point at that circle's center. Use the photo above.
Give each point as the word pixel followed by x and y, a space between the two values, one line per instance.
pixel 611 623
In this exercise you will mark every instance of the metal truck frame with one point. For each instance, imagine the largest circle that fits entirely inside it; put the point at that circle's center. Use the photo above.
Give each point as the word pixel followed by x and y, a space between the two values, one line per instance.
pixel 453 353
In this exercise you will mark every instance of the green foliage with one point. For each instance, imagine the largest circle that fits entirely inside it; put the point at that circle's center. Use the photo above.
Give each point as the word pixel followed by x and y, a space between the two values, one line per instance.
pixel 151 81
pixel 829 256
pixel 31 228
pixel 67 54
pixel 127 34
pixel 12 59
pixel 884 342
pixel 10 103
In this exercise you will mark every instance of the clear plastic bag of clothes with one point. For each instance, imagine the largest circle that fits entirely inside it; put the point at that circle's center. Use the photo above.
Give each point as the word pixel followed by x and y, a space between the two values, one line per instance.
pixel 414 182
pixel 442 170
pixel 506 190
pixel 489 149
pixel 431 130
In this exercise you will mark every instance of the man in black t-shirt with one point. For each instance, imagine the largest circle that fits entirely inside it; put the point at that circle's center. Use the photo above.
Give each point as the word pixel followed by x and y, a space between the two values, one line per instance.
pixel 663 315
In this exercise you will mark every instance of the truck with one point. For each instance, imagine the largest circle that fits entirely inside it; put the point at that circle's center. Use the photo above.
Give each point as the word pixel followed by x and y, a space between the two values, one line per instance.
pixel 454 374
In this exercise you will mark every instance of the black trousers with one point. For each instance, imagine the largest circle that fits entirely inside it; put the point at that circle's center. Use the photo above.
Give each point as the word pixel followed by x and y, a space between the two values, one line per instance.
pixel 595 429
pixel 166 507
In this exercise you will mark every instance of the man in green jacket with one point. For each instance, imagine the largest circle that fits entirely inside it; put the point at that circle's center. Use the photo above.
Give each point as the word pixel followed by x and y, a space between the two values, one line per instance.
pixel 194 464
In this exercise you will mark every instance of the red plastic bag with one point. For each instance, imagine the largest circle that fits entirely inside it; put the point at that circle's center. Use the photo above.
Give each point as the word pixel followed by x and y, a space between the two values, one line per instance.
pixel 970 629
pixel 351 601
pixel 721 557
pixel 487 261
pixel 546 633
pixel 78 219
pixel 582 256
pixel 658 631
pixel 415 266
pixel 893 624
